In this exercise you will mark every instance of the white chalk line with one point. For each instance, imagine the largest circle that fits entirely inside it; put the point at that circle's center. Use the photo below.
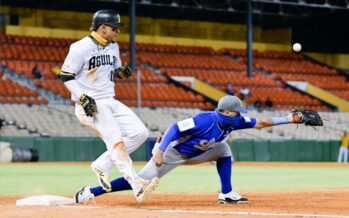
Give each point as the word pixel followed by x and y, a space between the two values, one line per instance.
pixel 212 212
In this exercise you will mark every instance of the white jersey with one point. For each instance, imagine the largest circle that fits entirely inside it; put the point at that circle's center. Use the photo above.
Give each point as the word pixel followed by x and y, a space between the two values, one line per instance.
pixel 94 67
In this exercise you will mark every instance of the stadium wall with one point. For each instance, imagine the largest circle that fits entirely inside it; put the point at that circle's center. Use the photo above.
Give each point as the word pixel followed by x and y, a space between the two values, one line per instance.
pixel 88 149
pixel 148 26
pixel 339 60
pixel 67 148
pixel 77 34
pixel 285 150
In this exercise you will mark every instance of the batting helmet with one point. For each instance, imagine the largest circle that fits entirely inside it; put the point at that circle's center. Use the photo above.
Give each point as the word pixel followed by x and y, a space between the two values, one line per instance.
pixel 109 17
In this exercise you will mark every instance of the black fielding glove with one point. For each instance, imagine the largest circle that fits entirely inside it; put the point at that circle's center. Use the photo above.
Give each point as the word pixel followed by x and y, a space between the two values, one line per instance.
pixel 309 118
pixel 89 105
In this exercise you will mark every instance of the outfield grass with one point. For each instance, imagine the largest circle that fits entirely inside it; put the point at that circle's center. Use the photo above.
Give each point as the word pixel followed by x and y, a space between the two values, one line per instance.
pixel 29 179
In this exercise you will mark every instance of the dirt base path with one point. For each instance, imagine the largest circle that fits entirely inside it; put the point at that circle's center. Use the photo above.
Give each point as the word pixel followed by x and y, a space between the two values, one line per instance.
pixel 330 204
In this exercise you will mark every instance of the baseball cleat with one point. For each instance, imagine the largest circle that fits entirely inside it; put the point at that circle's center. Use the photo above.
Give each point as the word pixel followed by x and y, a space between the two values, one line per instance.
pixel 84 195
pixel 103 179
pixel 147 188
pixel 231 198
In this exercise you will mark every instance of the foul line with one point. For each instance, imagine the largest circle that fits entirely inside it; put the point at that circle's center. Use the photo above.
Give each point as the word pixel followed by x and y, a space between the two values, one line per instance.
pixel 250 213
pixel 214 212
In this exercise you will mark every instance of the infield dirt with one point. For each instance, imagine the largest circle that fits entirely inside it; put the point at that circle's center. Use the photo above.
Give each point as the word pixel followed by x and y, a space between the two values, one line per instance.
pixel 324 203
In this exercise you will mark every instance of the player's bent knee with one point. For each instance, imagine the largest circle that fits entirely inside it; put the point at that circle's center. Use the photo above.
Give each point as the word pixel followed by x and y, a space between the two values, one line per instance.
pixel 119 146
pixel 139 135
pixel 150 171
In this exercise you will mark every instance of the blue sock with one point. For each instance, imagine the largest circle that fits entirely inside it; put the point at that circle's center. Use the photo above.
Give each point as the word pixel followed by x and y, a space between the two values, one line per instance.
pixel 224 166
pixel 98 190
pixel 119 184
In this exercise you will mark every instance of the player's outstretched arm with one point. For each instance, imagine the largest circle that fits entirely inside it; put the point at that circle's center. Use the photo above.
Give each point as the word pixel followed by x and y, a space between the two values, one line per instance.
pixel 273 121
pixel 306 117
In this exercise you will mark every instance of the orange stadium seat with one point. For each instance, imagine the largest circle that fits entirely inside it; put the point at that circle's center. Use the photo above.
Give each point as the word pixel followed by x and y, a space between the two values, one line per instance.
pixel 218 68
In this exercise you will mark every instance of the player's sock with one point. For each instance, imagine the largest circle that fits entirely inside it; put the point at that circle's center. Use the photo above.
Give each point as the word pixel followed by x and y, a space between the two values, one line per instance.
pixel 119 184
pixel 98 190
pixel 224 166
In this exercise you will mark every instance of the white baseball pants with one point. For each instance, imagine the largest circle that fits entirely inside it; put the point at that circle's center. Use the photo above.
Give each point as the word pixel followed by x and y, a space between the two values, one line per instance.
pixel 115 122
pixel 343 155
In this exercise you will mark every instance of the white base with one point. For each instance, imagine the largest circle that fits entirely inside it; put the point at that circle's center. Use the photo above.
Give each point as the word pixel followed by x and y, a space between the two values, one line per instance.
pixel 45 200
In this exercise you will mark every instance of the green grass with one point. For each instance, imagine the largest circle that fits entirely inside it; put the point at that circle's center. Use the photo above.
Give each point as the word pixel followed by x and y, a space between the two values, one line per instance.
pixel 22 179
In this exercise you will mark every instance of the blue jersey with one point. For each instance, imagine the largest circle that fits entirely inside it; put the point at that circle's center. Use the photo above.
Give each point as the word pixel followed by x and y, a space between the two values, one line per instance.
pixel 193 136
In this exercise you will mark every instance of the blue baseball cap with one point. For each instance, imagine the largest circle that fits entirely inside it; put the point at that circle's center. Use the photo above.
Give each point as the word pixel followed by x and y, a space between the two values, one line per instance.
pixel 230 102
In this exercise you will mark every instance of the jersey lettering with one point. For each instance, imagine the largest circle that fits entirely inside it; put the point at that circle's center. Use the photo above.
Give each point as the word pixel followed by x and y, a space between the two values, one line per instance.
pixel 100 60
pixel 205 144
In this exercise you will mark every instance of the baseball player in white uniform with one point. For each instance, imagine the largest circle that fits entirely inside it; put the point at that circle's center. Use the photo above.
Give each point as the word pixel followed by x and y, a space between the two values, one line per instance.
pixel 89 71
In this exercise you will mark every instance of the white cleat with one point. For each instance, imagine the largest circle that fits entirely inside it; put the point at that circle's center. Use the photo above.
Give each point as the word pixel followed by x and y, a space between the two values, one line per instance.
pixel 231 198
pixel 84 195
pixel 103 179
pixel 147 188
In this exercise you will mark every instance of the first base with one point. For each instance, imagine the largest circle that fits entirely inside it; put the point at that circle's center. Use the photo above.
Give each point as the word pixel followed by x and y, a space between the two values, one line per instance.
pixel 45 200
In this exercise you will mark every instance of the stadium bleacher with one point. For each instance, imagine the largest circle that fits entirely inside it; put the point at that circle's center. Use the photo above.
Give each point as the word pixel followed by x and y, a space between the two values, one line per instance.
pixel 59 120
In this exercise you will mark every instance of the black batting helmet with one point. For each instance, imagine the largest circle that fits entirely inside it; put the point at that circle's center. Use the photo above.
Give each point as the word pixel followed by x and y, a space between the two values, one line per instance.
pixel 109 17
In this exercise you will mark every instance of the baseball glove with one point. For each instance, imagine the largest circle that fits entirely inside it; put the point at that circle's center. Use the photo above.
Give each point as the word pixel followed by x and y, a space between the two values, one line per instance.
pixel 309 118
pixel 89 105
pixel 123 72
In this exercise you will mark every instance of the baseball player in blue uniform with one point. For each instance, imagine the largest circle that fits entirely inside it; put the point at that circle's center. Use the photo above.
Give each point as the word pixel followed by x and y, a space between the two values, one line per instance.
pixel 196 140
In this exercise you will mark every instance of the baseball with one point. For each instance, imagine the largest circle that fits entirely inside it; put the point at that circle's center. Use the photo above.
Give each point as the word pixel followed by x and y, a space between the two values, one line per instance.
pixel 297 47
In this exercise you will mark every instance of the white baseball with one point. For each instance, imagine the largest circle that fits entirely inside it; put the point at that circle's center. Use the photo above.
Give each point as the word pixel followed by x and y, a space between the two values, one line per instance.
pixel 297 47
